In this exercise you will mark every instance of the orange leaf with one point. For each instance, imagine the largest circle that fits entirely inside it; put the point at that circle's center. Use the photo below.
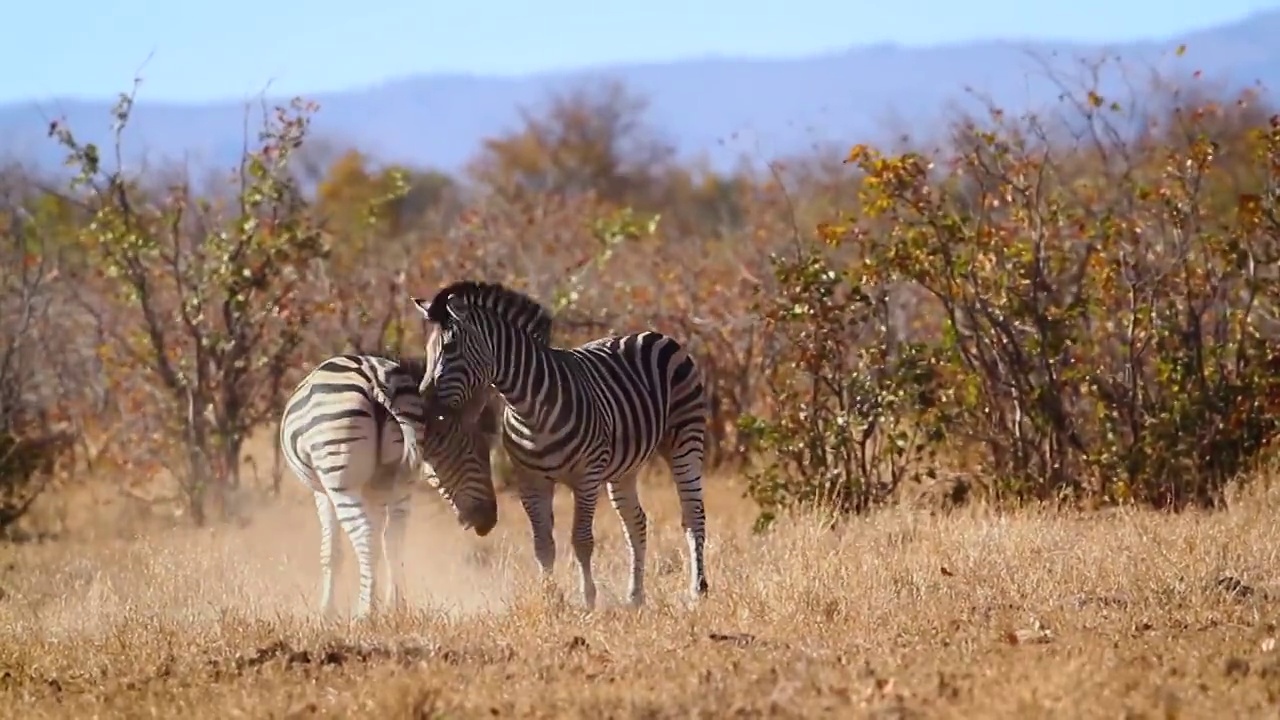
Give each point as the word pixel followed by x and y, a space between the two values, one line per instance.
pixel 857 153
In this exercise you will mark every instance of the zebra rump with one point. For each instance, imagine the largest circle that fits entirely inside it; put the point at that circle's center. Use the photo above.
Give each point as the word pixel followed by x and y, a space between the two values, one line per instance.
pixel 343 411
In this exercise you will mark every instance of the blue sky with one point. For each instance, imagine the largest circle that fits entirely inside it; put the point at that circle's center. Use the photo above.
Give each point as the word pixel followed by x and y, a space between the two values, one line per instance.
pixel 231 48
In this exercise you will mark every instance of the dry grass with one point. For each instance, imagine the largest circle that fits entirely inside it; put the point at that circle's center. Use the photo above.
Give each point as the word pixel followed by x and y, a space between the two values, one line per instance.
pixel 900 615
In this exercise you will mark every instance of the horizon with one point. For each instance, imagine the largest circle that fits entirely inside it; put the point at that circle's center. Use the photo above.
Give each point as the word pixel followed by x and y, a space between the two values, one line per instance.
pixel 169 71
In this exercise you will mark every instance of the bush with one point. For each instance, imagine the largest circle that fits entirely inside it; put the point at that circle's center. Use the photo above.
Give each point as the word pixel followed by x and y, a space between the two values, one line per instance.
pixel 1103 304
pixel 850 398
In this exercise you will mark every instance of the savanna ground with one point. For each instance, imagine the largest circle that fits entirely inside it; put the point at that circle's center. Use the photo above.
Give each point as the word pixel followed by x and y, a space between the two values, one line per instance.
pixel 906 613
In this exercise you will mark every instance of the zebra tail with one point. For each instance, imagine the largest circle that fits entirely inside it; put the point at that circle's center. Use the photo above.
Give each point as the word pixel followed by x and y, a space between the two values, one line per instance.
pixel 411 456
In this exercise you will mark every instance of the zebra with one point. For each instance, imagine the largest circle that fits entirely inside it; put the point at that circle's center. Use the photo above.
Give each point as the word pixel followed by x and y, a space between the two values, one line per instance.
pixel 334 436
pixel 585 417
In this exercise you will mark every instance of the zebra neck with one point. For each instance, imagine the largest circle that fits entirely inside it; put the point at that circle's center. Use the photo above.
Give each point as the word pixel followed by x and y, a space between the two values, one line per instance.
pixel 530 381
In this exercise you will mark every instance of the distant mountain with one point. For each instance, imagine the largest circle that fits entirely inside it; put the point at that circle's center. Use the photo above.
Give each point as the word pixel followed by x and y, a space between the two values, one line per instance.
pixel 721 107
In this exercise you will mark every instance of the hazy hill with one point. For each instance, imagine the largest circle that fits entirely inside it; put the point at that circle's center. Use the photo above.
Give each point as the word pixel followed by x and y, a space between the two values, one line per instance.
pixel 719 106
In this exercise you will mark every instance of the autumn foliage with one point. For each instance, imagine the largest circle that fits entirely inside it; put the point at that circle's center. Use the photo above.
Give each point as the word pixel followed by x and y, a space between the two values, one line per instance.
pixel 1077 306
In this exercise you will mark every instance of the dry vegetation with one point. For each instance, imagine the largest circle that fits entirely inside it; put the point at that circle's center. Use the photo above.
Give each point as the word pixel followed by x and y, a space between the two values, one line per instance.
pixel 993 420
pixel 904 614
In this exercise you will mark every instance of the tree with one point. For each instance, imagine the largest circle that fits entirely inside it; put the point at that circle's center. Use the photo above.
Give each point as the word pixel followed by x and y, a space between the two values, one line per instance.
pixel 30 444
pixel 591 139
pixel 431 195
pixel 200 301
pixel 364 278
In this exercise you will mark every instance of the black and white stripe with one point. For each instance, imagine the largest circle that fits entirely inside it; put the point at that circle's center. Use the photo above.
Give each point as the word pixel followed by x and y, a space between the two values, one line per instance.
pixel 351 431
pixel 587 417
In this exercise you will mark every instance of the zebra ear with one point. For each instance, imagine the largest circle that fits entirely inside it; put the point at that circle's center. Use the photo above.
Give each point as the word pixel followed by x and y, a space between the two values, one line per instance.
pixel 438 312
pixel 424 307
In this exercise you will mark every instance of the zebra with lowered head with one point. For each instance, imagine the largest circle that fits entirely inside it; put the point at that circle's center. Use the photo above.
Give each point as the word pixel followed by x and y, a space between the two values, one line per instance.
pixel 354 431
pixel 588 417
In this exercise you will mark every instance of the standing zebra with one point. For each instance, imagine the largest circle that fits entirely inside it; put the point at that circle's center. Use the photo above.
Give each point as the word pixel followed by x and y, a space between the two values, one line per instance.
pixel 335 436
pixel 584 416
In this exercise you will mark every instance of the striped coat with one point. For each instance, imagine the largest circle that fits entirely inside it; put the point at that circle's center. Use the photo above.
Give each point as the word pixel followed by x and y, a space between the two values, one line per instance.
pixel 588 417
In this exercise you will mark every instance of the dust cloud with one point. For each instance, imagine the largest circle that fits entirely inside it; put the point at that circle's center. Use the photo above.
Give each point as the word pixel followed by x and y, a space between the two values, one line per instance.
pixel 268 570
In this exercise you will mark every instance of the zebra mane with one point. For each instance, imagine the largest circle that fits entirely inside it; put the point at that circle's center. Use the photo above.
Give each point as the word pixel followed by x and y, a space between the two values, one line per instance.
pixel 512 306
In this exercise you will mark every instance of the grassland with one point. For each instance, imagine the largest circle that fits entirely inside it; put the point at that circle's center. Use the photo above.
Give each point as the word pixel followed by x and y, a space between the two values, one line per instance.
pixel 903 614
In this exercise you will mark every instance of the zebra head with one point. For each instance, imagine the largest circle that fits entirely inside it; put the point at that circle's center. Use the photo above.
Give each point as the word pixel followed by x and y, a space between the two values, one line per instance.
pixel 460 465
pixel 474 324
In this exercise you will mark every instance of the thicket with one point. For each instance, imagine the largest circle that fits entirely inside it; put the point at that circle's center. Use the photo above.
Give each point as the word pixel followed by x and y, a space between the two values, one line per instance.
pixel 1071 306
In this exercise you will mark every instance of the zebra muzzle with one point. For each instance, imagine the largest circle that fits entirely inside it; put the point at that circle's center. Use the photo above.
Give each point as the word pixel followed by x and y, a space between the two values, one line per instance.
pixel 480 518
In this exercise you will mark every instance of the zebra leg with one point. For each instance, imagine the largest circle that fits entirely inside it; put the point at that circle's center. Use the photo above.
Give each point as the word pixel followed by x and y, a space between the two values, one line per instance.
pixel 364 529
pixel 685 460
pixel 626 502
pixel 330 552
pixel 537 496
pixel 375 552
pixel 585 498
pixel 393 545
